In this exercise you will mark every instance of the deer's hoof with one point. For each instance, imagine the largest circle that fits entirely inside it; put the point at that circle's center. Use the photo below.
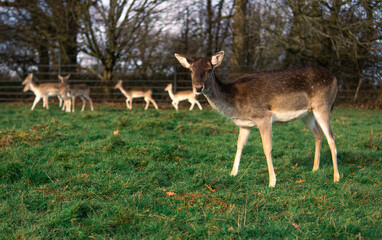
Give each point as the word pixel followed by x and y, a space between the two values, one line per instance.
pixel 272 183
pixel 336 177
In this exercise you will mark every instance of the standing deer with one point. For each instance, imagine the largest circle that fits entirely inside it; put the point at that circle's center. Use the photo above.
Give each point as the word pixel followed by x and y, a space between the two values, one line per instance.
pixel 181 96
pixel 43 90
pixel 78 90
pixel 66 96
pixel 136 92
pixel 261 99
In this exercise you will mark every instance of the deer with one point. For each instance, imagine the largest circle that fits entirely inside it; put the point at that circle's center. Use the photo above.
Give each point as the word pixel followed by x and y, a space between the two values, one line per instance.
pixel 181 96
pixel 43 90
pixel 58 96
pixel 78 90
pixel 266 98
pixel 66 96
pixel 136 92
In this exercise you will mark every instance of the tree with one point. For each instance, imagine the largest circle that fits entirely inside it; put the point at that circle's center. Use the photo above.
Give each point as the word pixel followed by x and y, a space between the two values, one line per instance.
pixel 43 26
pixel 110 33
pixel 240 37
pixel 205 27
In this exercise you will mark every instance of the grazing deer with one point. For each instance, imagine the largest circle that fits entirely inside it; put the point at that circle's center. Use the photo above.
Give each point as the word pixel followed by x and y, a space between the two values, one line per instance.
pixel 66 96
pixel 43 90
pixel 78 90
pixel 181 96
pixel 136 92
pixel 261 99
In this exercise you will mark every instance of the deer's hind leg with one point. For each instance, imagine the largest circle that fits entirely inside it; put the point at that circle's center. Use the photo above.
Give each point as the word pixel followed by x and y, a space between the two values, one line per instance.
pixel 154 103
pixel 46 100
pixel 90 101
pixel 83 103
pixel 265 129
pixel 311 123
pixel 323 119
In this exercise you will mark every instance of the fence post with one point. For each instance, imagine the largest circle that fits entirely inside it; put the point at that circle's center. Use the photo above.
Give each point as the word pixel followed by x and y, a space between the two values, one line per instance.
pixel 175 78
pixel 59 61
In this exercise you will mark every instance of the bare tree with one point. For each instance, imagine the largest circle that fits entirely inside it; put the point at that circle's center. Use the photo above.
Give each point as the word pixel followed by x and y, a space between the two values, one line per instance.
pixel 240 36
pixel 43 26
pixel 110 33
pixel 206 26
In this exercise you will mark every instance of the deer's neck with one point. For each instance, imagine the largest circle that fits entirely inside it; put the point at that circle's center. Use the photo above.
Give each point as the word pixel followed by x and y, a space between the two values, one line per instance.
pixel 124 92
pixel 171 93
pixel 34 87
pixel 219 95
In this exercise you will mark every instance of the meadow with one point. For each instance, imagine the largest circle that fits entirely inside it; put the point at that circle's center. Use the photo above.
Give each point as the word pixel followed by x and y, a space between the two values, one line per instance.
pixel 120 174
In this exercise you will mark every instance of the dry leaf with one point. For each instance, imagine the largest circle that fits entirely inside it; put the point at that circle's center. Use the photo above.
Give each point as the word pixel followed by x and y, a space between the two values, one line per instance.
pixel 300 181
pixel 295 166
pixel 231 229
pixel 116 132
pixel 209 187
pixel 170 194
pixel 295 225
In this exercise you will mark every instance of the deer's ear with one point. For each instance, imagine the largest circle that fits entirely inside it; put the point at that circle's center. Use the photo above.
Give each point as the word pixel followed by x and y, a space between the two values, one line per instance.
pixel 185 61
pixel 217 58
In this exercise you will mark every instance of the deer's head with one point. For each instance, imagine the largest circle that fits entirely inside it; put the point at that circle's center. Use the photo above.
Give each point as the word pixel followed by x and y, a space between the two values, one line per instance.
pixel 63 79
pixel 27 81
pixel 168 87
pixel 200 68
pixel 118 85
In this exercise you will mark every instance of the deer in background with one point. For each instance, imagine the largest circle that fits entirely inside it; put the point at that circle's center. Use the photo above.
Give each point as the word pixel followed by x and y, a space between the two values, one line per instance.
pixel 264 98
pixel 78 90
pixel 181 96
pixel 43 90
pixel 66 96
pixel 136 92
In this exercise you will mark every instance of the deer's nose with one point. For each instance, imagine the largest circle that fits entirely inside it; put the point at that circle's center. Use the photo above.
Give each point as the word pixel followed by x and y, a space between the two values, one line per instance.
pixel 199 88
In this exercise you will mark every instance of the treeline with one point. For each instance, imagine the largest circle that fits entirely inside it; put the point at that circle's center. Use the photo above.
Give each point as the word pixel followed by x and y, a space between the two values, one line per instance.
pixel 142 35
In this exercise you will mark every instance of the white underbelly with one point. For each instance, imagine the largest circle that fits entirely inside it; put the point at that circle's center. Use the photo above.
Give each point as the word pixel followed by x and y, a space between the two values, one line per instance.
pixel 137 95
pixel 288 116
pixel 244 122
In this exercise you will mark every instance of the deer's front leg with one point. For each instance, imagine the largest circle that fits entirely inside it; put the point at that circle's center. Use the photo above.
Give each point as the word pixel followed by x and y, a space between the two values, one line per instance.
pixel 266 137
pixel 241 141
pixel 59 101
pixel 128 103
pixel 36 100
pixel 175 104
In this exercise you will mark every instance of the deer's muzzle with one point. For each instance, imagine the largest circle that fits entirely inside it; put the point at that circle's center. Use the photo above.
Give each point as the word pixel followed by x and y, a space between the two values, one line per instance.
pixel 199 88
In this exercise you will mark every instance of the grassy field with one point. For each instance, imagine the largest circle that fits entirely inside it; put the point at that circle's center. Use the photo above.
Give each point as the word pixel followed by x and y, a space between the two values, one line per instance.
pixel 138 174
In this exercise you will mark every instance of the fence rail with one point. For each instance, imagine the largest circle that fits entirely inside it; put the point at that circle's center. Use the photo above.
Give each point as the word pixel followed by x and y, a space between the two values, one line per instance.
pixel 11 89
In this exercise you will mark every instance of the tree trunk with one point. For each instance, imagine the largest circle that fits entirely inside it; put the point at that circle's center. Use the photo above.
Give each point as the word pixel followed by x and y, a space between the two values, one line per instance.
pixel 106 80
pixel 209 27
pixel 239 38
pixel 44 62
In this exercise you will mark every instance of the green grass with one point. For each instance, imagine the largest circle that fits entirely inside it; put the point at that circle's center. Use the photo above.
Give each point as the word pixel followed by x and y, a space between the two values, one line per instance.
pixel 68 176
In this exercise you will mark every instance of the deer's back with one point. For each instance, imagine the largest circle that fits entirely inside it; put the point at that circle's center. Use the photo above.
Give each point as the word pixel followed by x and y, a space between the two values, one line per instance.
pixel 139 92
pixel 51 88
pixel 292 88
